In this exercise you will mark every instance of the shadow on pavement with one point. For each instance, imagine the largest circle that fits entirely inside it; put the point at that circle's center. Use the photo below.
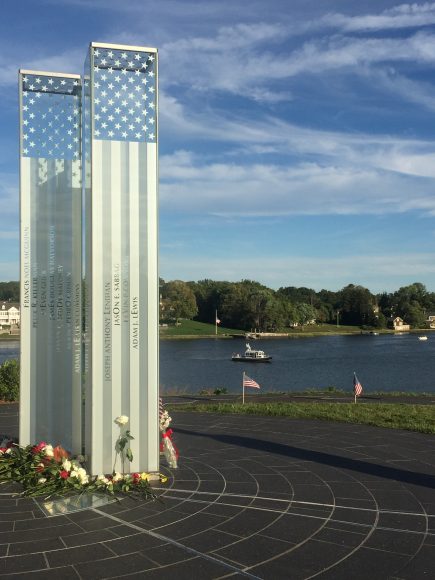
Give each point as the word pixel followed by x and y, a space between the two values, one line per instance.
pixel 401 475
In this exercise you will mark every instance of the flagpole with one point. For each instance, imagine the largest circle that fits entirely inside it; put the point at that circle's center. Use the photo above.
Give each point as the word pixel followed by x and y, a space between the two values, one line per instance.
pixel 243 388
pixel 354 386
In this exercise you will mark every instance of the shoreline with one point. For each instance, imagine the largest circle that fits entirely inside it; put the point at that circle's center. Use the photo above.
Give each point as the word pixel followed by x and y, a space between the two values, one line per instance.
pixel 271 336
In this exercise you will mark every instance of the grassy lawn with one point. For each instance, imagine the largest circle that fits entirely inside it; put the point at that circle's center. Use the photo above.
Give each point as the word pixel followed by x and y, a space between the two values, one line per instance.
pixel 194 328
pixel 323 329
pixel 419 418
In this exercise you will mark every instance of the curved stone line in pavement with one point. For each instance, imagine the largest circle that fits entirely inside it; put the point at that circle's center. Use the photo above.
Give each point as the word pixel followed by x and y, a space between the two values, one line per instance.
pixel 261 497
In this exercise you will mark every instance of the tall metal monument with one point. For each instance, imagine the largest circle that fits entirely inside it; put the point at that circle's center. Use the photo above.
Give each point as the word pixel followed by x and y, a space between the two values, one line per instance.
pixel 51 216
pixel 121 280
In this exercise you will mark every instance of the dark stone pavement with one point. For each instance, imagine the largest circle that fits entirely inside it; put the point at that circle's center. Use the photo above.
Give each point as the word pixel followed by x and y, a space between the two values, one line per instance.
pixel 253 497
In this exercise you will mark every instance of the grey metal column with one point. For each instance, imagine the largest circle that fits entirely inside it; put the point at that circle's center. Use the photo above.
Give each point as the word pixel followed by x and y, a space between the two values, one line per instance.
pixel 50 210
pixel 121 280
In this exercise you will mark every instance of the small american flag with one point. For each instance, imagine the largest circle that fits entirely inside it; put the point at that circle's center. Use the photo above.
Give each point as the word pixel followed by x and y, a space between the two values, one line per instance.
pixel 357 386
pixel 248 382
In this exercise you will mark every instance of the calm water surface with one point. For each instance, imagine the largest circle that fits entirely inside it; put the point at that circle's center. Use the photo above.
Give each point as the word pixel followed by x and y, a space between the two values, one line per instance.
pixel 385 362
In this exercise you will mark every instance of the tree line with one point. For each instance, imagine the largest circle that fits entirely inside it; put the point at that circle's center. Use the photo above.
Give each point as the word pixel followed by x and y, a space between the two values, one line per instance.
pixel 9 291
pixel 249 305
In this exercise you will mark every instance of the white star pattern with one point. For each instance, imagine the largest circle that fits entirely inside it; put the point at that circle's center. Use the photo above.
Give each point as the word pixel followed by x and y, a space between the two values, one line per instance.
pixel 51 116
pixel 121 92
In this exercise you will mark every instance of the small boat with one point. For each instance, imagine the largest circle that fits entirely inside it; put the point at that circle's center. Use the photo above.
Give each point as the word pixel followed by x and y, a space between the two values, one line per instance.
pixel 251 355
pixel 422 338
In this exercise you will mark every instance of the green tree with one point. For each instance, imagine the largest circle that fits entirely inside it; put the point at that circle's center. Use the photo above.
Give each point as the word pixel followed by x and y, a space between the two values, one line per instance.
pixel 356 305
pixel 10 291
pixel 208 294
pixel 177 301
pixel 305 313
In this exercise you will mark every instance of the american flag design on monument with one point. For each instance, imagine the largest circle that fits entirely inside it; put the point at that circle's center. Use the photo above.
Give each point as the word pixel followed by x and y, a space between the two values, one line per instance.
pixel 121 151
pixel 50 216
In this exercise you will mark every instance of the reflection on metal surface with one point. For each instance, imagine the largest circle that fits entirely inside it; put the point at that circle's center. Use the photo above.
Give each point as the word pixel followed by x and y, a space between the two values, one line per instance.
pixel 67 505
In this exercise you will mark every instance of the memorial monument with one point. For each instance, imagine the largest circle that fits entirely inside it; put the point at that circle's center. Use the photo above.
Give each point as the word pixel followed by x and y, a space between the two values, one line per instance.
pixel 118 373
pixel 51 217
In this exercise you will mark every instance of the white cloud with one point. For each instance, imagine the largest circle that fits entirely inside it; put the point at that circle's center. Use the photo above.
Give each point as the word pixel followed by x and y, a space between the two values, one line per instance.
pixel 398 17
pixel 239 60
pixel 231 189
pixel 70 61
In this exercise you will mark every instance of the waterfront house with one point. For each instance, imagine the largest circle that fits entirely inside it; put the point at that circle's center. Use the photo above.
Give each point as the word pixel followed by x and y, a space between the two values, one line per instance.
pixel 9 314
pixel 431 321
pixel 398 324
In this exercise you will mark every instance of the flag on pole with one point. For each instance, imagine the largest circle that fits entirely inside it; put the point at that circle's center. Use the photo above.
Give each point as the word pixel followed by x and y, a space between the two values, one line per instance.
pixel 248 382
pixel 357 386
pixel 217 319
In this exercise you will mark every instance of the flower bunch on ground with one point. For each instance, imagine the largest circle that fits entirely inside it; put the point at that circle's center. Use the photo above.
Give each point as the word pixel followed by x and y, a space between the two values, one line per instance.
pixel 167 446
pixel 44 470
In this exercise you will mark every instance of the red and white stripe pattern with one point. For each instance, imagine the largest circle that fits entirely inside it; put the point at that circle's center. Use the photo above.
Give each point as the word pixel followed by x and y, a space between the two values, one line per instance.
pixel 122 235
pixel 357 386
pixel 248 382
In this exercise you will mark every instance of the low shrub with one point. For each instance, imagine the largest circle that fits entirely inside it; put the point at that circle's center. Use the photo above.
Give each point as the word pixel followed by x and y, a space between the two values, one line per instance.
pixel 10 380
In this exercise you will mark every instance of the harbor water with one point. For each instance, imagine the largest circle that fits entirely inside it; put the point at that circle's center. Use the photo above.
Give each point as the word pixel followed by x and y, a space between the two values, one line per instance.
pixel 397 362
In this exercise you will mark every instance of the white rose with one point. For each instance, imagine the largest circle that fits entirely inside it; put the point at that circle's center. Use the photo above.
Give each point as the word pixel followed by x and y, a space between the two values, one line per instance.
pixel 73 474
pixel 117 477
pixel 121 420
pixel 48 450
pixel 82 475
pixel 103 479
pixel 42 480
pixel 66 465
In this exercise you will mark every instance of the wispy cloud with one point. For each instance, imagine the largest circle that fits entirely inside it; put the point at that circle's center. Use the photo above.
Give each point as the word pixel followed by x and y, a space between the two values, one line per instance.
pixel 232 189
pixel 69 61
pixel 240 60
pixel 398 17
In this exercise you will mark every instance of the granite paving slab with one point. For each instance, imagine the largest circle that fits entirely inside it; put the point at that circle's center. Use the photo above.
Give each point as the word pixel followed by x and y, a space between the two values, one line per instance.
pixel 266 498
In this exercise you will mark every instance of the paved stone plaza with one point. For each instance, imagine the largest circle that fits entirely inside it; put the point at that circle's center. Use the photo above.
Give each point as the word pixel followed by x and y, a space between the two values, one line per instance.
pixel 253 497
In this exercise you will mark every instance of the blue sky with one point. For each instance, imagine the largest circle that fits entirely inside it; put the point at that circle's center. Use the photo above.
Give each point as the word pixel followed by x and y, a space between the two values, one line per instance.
pixel 297 137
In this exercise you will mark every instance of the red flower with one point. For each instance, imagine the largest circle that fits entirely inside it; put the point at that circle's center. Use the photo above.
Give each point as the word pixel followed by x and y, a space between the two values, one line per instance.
pixel 38 448
pixel 64 474
pixel 136 477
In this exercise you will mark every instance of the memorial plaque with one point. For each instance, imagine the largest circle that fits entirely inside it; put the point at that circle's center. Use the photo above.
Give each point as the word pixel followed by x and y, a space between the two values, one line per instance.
pixel 50 210
pixel 121 281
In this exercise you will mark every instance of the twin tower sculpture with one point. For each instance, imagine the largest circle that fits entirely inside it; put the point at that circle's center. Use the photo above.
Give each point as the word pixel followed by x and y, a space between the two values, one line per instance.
pixel 89 277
